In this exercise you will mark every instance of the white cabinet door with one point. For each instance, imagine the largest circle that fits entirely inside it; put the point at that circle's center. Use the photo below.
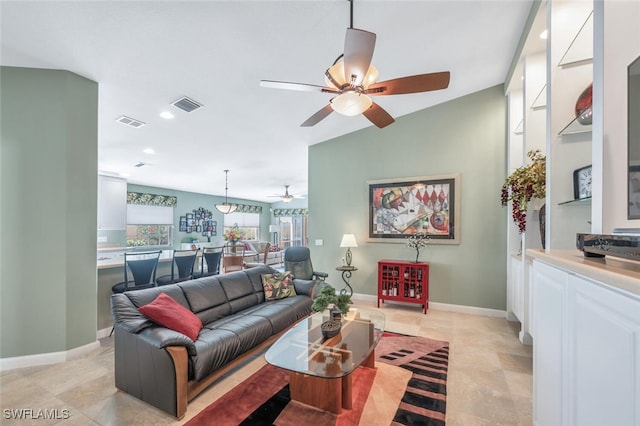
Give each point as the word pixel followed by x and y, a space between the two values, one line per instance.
pixel 586 352
pixel 112 203
pixel 549 314
pixel 604 374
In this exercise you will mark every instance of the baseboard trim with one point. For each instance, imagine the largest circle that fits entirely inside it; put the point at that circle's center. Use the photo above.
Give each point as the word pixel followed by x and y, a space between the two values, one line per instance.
pixel 440 306
pixel 105 332
pixel 47 358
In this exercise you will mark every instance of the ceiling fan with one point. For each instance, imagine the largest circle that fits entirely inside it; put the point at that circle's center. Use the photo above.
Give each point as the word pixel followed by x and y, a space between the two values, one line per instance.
pixel 354 80
pixel 286 197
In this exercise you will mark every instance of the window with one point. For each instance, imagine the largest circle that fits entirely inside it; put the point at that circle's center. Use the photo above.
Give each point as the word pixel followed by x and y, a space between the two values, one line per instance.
pixel 248 223
pixel 293 231
pixel 149 235
pixel 149 225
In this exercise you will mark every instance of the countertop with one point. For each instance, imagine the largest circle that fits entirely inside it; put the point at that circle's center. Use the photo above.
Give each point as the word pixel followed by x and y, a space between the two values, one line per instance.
pixel 617 272
pixel 115 258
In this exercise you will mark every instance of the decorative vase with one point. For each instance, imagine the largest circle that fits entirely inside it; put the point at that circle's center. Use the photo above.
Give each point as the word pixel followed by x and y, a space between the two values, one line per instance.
pixel 330 328
pixel 234 249
pixel 543 221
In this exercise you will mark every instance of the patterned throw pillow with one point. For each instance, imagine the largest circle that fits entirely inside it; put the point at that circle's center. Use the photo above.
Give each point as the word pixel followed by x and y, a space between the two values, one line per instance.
pixel 278 285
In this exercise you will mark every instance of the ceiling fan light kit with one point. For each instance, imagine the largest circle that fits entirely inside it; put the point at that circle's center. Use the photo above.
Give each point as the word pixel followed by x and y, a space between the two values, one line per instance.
pixel 354 79
pixel 225 207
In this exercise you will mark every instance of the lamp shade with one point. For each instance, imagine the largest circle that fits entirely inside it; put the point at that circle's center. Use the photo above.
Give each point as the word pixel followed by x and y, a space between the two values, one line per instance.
pixel 351 103
pixel 348 240
pixel 226 208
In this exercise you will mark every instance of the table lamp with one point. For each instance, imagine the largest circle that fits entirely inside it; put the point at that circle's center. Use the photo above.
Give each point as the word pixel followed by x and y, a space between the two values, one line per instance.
pixel 348 241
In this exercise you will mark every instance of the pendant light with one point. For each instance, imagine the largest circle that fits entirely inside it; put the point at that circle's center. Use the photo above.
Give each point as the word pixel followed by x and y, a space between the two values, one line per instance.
pixel 226 208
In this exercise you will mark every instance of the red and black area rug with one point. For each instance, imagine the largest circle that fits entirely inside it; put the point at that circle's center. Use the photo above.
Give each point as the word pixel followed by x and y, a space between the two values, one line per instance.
pixel 263 398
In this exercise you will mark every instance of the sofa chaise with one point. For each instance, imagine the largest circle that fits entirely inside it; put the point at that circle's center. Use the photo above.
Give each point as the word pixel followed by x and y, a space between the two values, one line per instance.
pixel 167 369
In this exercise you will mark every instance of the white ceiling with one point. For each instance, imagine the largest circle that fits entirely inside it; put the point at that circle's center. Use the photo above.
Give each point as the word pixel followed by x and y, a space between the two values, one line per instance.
pixel 145 55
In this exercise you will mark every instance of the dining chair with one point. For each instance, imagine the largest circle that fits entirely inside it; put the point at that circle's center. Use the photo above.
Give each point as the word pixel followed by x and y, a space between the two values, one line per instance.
pixel 265 254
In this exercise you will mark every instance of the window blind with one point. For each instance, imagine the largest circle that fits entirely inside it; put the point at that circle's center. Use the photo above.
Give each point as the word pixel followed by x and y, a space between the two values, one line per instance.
pixel 242 219
pixel 149 215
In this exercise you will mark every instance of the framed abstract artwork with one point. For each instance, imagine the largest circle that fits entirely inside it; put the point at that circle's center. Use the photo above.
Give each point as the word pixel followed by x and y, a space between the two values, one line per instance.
pixel 401 207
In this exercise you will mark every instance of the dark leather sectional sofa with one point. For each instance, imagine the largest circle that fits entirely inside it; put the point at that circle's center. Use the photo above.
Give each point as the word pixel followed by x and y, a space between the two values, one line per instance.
pixel 167 369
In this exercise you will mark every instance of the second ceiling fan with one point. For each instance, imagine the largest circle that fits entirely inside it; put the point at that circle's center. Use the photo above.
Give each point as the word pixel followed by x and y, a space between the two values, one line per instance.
pixel 353 79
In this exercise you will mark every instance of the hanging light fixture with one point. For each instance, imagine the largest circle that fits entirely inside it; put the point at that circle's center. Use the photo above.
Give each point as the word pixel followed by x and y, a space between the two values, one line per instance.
pixel 226 208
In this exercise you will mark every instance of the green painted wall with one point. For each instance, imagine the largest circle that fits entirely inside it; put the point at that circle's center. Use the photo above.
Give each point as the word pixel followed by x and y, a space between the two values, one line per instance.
pixel 48 182
pixel 465 136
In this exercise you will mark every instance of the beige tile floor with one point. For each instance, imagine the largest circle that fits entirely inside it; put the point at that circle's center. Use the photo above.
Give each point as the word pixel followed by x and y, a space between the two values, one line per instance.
pixel 489 383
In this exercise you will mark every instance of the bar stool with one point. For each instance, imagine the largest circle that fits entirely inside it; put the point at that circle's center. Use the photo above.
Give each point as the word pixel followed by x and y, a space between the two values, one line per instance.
pixel 143 267
pixel 211 256
pixel 185 260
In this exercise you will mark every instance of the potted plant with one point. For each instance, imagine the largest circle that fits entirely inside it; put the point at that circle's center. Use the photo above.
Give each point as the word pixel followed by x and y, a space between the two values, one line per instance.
pixel 524 184
pixel 232 236
pixel 328 296
pixel 417 242
pixel 340 303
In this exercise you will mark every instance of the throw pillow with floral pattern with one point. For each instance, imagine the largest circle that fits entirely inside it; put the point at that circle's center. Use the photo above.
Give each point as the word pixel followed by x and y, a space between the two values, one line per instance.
pixel 278 285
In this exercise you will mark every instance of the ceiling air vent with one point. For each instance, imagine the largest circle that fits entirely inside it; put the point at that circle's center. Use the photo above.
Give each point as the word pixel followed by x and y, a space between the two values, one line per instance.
pixel 130 121
pixel 186 104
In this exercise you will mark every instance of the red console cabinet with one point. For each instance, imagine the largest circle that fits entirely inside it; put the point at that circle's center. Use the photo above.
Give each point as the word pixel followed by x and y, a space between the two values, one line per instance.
pixel 403 281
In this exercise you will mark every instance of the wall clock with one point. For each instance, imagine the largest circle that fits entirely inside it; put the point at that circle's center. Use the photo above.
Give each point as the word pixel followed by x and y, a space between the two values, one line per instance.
pixel 582 183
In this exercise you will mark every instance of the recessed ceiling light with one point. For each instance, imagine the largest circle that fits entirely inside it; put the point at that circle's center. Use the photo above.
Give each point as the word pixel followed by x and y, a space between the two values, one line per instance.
pixel 149 151
pixel 166 115
pixel 544 34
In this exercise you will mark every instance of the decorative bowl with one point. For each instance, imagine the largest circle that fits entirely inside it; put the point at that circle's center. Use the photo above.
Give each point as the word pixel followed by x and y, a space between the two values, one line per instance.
pixel 330 328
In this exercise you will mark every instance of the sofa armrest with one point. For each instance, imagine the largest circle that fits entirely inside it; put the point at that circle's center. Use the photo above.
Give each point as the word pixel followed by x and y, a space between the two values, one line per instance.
pixel 309 288
pixel 161 337
pixel 148 372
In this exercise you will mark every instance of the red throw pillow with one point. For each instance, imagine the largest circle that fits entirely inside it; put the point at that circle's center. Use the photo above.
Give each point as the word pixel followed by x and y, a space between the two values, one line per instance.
pixel 164 310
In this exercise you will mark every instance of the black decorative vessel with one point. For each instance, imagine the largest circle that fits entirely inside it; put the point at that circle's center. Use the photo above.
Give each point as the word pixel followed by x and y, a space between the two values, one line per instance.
pixel 330 328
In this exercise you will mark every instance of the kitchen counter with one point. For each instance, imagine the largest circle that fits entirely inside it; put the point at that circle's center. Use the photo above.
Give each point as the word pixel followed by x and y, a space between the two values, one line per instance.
pixel 114 258
pixel 616 272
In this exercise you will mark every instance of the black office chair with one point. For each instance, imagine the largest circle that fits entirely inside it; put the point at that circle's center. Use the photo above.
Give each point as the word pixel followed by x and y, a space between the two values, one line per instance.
pixel 298 261
pixel 211 256
pixel 185 260
pixel 142 266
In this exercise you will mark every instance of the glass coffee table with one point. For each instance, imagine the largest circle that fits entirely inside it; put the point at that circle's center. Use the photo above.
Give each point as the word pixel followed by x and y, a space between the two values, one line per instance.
pixel 321 367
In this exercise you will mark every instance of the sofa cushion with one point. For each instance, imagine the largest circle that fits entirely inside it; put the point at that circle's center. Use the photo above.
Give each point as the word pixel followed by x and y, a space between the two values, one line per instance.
pixel 206 298
pixel 278 285
pixel 168 313
pixel 283 312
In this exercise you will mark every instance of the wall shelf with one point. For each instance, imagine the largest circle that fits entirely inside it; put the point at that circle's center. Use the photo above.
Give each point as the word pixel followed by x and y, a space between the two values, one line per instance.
pixel 540 101
pixel 578 202
pixel 581 48
pixel 575 127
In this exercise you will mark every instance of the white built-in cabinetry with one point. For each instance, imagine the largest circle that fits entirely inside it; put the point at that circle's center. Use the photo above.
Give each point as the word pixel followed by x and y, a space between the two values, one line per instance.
pixel 542 92
pixel 586 350
pixel 112 203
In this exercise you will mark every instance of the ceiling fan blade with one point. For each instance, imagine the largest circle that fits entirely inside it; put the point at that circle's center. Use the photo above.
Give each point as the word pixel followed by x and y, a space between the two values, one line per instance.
pixel 412 84
pixel 378 116
pixel 318 116
pixel 358 51
pixel 296 86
